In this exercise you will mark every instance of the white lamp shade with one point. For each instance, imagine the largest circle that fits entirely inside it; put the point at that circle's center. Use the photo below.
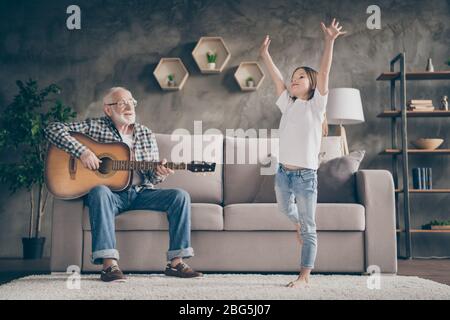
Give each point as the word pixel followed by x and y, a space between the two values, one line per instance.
pixel 344 106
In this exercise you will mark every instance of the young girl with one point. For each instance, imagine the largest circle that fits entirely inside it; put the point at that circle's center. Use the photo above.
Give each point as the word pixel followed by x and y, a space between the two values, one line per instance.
pixel 301 127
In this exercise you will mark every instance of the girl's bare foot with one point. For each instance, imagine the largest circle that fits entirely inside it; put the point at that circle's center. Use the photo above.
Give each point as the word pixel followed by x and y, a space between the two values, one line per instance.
pixel 302 280
pixel 298 283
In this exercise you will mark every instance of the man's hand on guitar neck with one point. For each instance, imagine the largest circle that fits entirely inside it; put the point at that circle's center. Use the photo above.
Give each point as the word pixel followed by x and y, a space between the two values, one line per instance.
pixel 90 160
pixel 163 171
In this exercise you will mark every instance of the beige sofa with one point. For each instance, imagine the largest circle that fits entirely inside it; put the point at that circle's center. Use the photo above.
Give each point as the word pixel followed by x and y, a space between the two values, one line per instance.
pixel 236 225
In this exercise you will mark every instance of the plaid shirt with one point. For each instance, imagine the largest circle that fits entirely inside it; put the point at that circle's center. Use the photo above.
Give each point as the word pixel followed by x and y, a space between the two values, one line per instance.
pixel 103 130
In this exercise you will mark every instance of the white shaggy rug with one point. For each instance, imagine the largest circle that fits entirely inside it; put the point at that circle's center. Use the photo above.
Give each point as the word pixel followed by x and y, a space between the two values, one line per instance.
pixel 223 286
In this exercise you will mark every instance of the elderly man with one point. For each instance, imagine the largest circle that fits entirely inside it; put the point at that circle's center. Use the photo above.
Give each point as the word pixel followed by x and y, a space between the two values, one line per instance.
pixel 119 125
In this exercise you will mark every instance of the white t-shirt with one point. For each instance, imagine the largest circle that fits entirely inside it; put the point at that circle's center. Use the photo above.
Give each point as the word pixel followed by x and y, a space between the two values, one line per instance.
pixel 301 129
pixel 128 139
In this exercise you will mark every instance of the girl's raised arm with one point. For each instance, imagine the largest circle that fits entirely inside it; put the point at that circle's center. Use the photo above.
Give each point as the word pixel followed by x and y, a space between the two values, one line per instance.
pixel 330 34
pixel 275 74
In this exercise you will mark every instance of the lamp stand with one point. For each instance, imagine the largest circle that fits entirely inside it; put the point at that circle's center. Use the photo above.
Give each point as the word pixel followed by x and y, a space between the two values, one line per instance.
pixel 343 134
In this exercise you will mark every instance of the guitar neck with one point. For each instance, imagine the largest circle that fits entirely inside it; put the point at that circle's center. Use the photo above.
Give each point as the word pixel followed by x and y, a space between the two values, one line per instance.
pixel 120 165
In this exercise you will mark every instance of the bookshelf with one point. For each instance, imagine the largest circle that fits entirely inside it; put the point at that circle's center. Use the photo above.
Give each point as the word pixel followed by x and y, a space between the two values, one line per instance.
pixel 399 150
pixel 424 190
pixel 414 114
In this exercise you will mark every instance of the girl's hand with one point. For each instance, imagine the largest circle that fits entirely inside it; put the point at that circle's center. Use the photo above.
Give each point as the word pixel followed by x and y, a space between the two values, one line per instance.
pixel 264 50
pixel 333 31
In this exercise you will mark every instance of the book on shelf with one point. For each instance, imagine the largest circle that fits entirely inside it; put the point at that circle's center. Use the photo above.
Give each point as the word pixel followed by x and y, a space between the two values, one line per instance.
pixel 420 108
pixel 420 105
pixel 422 178
pixel 430 179
pixel 416 178
pixel 425 178
pixel 420 102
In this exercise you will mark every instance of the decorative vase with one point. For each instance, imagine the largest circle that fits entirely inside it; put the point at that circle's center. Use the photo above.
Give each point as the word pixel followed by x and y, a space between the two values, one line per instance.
pixel 444 103
pixel 430 67
pixel 428 143
pixel 211 65
pixel 33 248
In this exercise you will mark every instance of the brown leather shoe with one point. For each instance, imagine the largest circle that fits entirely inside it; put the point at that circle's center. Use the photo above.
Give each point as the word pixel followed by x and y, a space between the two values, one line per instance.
pixel 181 270
pixel 113 273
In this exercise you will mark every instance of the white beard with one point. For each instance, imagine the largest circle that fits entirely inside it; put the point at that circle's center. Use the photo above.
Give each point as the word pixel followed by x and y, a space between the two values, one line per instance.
pixel 123 119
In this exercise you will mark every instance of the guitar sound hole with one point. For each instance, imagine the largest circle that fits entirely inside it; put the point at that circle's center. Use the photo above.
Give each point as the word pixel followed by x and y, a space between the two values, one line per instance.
pixel 105 165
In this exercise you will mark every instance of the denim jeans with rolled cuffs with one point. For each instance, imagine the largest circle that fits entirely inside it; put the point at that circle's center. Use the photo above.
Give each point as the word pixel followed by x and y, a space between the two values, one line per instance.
pixel 296 192
pixel 104 205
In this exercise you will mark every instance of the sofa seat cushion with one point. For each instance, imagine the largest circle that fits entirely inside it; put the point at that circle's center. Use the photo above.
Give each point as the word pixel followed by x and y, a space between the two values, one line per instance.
pixel 204 216
pixel 266 216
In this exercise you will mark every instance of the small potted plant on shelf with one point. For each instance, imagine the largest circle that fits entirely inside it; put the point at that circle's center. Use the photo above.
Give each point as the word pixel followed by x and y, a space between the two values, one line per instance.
pixel 171 80
pixel 211 58
pixel 437 225
pixel 250 82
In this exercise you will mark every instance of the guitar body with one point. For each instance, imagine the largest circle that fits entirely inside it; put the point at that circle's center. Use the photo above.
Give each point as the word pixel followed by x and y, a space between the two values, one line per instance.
pixel 67 178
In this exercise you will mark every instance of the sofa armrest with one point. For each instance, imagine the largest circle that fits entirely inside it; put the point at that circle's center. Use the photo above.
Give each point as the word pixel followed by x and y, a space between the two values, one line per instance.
pixel 376 192
pixel 67 234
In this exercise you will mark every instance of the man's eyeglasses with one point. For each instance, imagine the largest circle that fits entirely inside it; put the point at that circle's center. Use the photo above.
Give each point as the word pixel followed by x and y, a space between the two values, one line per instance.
pixel 121 104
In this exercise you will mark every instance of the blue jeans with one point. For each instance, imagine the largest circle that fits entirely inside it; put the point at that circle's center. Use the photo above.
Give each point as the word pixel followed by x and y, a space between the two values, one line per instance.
pixel 296 192
pixel 104 205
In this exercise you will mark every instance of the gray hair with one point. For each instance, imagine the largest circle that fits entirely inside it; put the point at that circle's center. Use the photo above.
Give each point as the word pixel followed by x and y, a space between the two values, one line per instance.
pixel 108 96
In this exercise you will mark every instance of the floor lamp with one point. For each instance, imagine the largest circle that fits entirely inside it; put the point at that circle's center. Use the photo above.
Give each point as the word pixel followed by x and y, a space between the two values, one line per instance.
pixel 344 107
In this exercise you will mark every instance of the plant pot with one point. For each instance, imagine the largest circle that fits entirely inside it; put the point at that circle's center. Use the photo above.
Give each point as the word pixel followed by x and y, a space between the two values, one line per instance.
pixel 33 248
pixel 445 227
pixel 250 83
pixel 211 65
pixel 171 83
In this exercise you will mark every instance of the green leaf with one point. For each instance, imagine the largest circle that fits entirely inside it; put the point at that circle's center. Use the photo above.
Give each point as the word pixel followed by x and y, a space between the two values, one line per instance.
pixel 22 126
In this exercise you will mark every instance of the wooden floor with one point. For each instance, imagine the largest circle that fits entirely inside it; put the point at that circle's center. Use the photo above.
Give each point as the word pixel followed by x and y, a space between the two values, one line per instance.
pixel 434 269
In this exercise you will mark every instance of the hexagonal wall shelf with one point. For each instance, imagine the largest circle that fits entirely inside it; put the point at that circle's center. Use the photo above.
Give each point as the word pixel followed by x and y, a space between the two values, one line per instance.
pixel 214 45
pixel 167 67
pixel 249 76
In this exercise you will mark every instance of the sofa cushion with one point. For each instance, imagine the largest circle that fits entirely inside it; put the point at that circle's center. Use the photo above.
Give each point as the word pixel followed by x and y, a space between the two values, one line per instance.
pixel 204 216
pixel 337 179
pixel 244 181
pixel 265 216
pixel 244 162
pixel 202 187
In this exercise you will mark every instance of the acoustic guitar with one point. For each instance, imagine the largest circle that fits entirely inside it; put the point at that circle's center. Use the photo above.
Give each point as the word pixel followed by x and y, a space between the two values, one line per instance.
pixel 67 178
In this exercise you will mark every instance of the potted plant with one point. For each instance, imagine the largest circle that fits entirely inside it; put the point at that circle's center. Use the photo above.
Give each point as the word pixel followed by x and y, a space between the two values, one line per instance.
pixel 171 80
pixel 437 225
pixel 250 82
pixel 211 58
pixel 22 126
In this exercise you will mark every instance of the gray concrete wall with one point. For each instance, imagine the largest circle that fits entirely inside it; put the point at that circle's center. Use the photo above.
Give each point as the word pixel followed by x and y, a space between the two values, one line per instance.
pixel 121 42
